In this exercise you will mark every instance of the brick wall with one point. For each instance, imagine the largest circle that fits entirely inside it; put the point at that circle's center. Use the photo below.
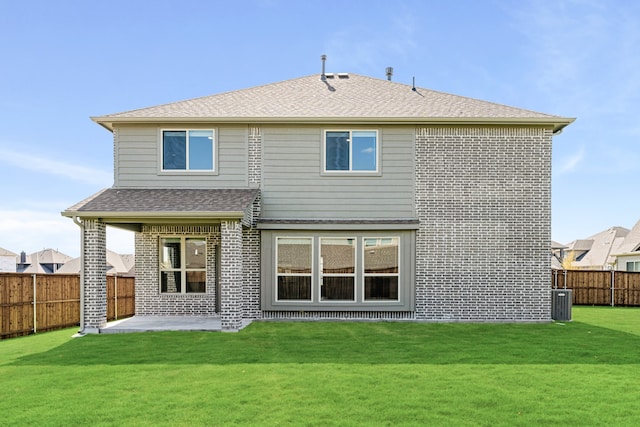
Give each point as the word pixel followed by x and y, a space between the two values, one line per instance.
pixel 149 300
pixel 231 275
pixel 95 275
pixel 483 201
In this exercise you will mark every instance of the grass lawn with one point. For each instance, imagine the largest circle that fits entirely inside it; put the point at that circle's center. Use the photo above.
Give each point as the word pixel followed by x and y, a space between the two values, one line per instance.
pixel 586 372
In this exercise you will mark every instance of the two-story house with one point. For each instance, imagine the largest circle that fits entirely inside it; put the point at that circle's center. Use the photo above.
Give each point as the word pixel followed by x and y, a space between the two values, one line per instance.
pixel 328 196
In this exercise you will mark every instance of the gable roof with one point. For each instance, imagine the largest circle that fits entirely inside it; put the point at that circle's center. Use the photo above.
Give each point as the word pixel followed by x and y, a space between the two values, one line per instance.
pixel 6 252
pixel 600 248
pixel 340 98
pixel 631 242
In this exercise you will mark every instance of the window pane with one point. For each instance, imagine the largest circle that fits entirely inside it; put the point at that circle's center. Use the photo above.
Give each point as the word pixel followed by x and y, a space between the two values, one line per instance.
pixel 170 253
pixel 294 256
pixel 337 288
pixel 196 253
pixel 364 151
pixel 338 256
pixel 294 288
pixel 174 150
pixel 337 151
pixel 381 256
pixel 381 288
pixel 630 266
pixel 201 149
pixel 170 281
pixel 196 281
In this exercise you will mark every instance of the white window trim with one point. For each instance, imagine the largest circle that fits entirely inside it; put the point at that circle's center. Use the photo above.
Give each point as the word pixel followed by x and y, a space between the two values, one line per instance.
pixel 321 273
pixel 312 274
pixel 365 275
pixel 350 172
pixel 183 262
pixel 163 171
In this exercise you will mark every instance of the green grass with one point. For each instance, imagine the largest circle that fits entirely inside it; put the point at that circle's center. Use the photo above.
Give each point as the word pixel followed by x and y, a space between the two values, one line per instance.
pixel 586 372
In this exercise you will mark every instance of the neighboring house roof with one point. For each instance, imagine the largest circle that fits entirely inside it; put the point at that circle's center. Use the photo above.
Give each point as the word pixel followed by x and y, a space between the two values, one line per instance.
pixel 580 245
pixel 600 248
pixel 35 269
pixel 556 245
pixel 339 98
pixel 5 252
pixel 165 203
pixel 116 264
pixel 48 256
pixel 631 242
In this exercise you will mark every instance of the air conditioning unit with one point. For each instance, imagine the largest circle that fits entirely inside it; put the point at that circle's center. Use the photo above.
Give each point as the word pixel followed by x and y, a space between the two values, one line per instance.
pixel 561 302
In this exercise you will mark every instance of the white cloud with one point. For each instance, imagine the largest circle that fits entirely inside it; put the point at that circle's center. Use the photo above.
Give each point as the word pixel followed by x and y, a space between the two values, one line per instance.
pixel 570 163
pixel 34 230
pixel 55 167
pixel 363 47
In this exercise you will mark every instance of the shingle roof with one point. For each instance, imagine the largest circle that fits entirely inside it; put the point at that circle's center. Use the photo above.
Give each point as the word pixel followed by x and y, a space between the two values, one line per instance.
pixel 6 252
pixel 631 241
pixel 353 97
pixel 164 201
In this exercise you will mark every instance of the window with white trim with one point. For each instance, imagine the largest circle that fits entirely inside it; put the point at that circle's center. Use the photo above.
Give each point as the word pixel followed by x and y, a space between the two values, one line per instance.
pixel 351 151
pixel 294 268
pixel 633 265
pixel 183 265
pixel 188 150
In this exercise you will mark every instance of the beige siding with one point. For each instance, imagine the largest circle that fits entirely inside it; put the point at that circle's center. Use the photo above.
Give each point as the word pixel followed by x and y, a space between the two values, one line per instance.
pixel 293 186
pixel 137 160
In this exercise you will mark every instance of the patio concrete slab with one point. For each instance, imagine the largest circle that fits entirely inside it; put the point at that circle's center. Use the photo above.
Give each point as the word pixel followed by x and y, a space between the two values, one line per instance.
pixel 166 323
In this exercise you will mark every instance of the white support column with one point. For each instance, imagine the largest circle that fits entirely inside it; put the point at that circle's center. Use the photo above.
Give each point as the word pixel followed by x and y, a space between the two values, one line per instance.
pixel 95 276
pixel 231 275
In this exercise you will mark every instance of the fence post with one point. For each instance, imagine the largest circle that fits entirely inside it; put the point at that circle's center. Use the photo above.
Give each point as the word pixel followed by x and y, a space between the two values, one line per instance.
pixel 613 286
pixel 115 291
pixel 565 278
pixel 35 302
pixel 555 279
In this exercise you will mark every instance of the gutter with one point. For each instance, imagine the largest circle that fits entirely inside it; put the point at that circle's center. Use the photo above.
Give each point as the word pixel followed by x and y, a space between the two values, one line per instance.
pixel 556 122
pixel 81 225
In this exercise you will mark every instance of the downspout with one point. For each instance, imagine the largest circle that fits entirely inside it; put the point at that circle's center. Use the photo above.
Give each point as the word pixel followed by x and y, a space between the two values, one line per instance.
pixel 81 225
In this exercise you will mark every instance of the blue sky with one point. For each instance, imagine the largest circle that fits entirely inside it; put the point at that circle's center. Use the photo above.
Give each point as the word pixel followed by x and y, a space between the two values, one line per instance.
pixel 63 61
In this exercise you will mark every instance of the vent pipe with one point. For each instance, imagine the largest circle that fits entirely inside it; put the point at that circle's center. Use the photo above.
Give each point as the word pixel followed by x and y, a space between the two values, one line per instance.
pixel 389 72
pixel 323 77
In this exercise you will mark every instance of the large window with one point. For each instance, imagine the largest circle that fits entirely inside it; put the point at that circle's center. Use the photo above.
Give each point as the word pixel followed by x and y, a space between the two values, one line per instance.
pixel 188 150
pixel 351 151
pixel 183 265
pixel 337 269
pixel 381 269
pixel 294 267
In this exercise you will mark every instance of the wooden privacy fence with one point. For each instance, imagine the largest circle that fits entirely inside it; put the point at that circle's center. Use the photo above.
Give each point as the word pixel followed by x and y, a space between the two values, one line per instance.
pixel 615 288
pixel 57 301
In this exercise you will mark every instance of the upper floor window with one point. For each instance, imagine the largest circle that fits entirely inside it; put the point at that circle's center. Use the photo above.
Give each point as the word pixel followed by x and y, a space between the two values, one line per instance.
pixel 188 150
pixel 351 151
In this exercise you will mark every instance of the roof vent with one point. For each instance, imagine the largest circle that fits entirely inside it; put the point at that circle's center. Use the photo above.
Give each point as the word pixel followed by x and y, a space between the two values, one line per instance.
pixel 343 75
pixel 323 76
pixel 389 72
pixel 329 76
